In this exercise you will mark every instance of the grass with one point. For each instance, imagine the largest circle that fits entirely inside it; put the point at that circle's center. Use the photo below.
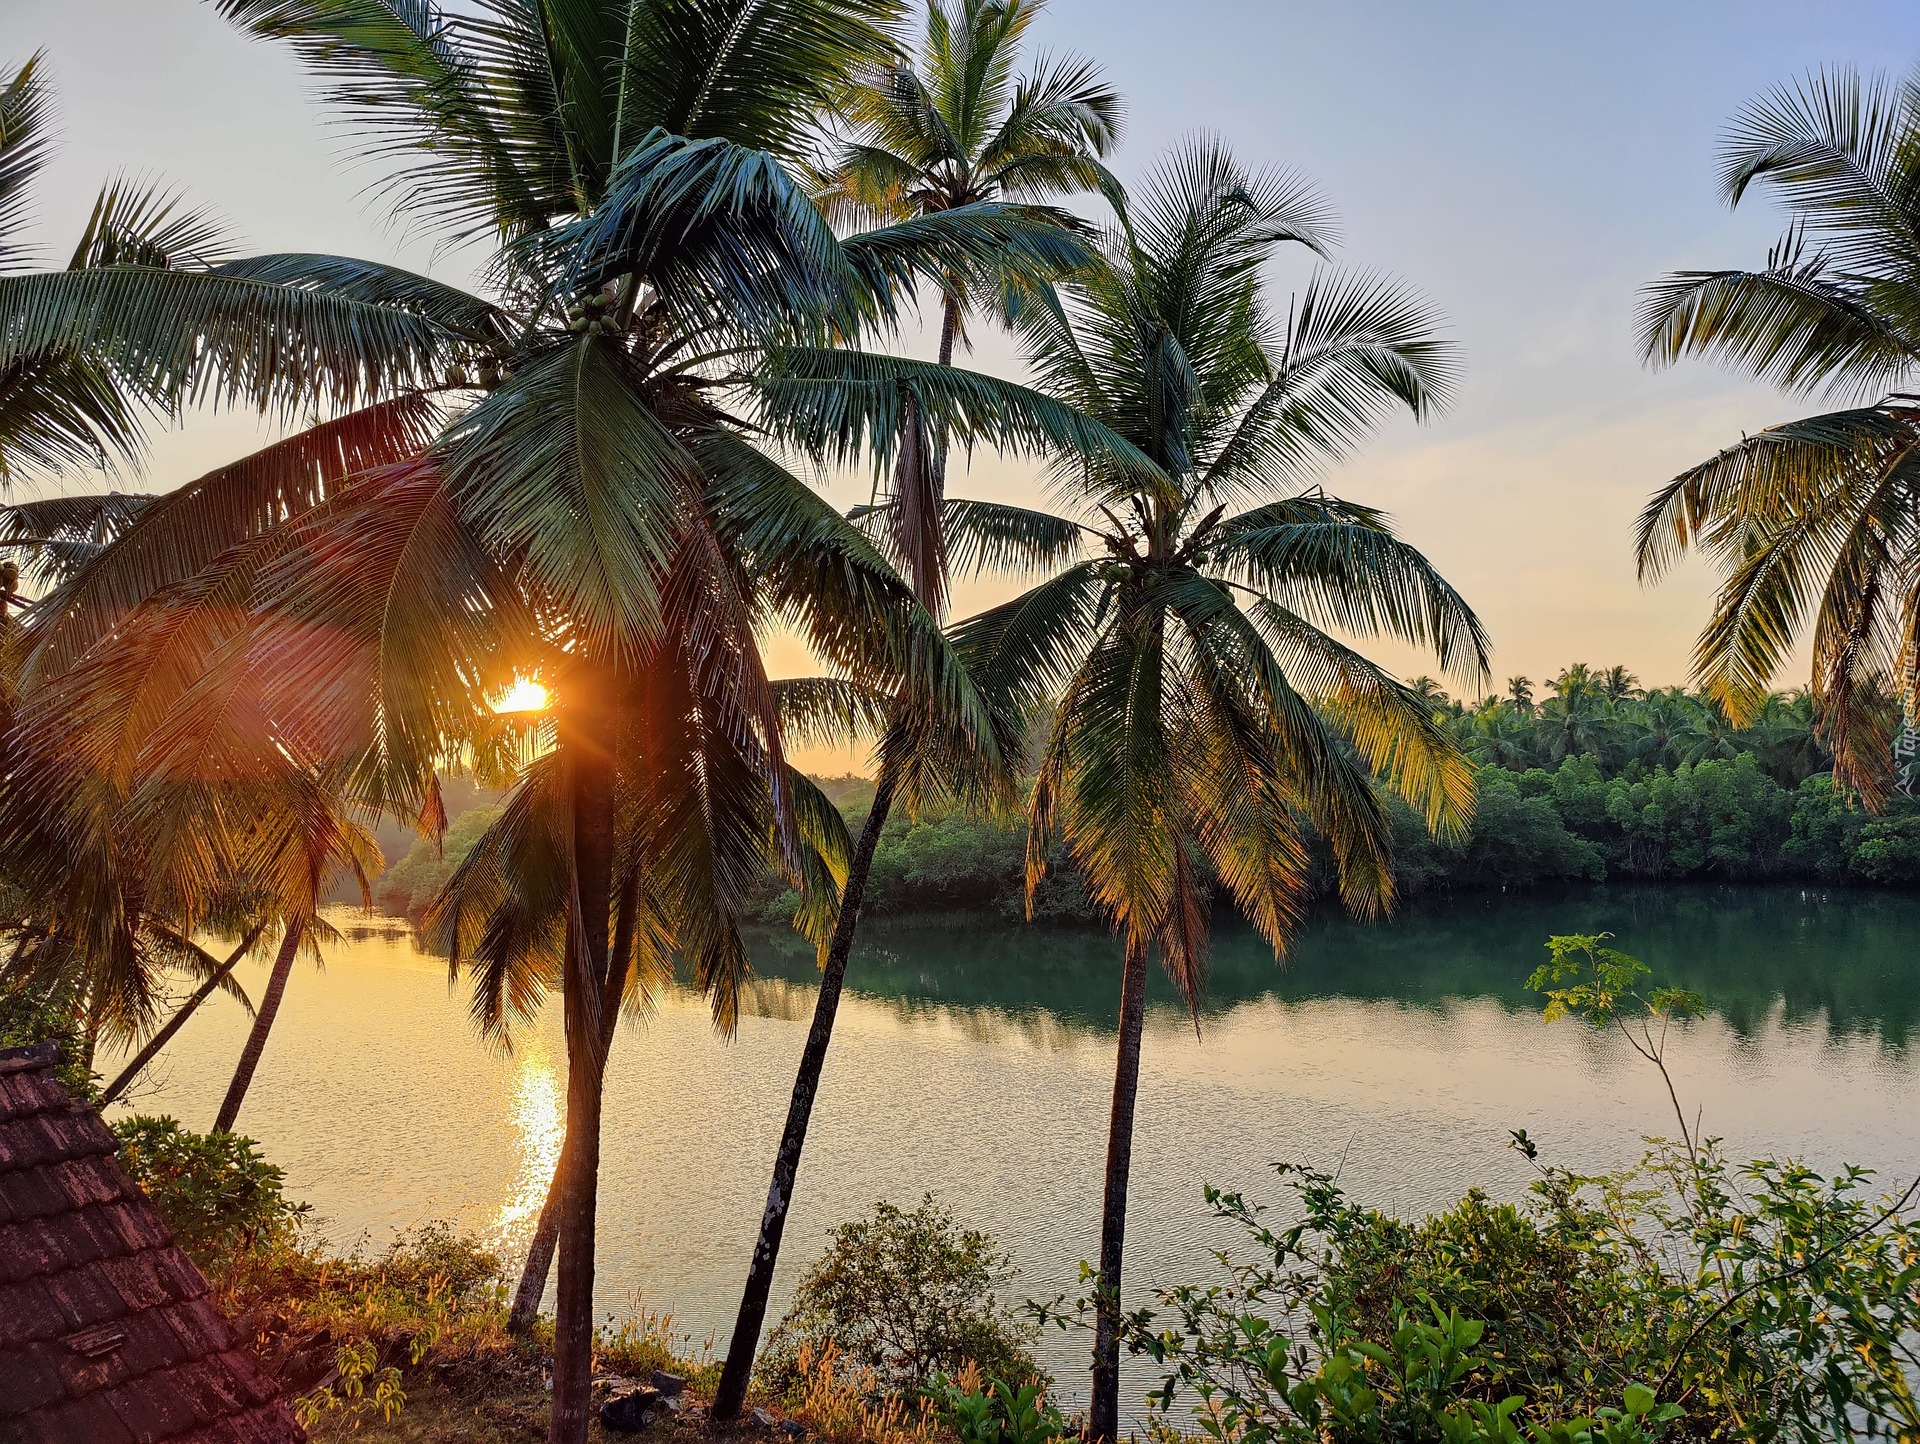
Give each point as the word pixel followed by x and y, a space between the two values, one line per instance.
pixel 409 1345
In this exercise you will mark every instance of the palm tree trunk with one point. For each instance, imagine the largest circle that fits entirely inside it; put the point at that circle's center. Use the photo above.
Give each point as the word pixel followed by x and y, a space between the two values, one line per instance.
pixel 546 1233
pixel 185 1011
pixel 731 1393
pixel 732 1390
pixel 262 1025
pixel 588 737
pixel 949 328
pixel 1103 1418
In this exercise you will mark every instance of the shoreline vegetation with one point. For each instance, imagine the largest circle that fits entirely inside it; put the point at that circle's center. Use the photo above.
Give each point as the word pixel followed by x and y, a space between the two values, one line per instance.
pixel 1598 780
pixel 1684 1297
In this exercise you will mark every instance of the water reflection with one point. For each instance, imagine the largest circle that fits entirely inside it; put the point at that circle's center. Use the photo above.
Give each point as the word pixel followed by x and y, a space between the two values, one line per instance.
pixel 1845 961
pixel 538 1115
pixel 976 1061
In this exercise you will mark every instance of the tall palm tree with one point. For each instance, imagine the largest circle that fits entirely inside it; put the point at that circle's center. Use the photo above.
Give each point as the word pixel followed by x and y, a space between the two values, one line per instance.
pixel 1814 523
pixel 1574 723
pixel 584 494
pixel 1204 719
pixel 959 131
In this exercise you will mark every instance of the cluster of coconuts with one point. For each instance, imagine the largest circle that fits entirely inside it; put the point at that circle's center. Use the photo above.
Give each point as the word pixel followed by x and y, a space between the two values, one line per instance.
pixel 593 315
pixel 490 369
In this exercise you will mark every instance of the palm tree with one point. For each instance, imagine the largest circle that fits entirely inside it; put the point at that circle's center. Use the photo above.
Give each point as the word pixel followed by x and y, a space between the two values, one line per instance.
pixel 1817 521
pixel 1574 724
pixel 959 132
pixel 585 497
pixel 1786 735
pixel 1707 734
pixel 1203 718
pixel 1617 684
pixel 1520 692
pixel 1658 724
pixel 58 410
pixel 1498 734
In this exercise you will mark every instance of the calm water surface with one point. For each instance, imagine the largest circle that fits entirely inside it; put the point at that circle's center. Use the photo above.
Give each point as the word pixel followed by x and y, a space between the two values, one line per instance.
pixel 975 1061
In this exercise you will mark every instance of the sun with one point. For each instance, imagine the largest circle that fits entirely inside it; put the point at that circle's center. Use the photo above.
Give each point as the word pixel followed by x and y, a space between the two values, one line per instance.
pixel 525 695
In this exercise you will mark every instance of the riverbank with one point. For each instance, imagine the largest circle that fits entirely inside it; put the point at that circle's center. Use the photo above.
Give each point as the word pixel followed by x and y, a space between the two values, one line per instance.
pixel 977 1063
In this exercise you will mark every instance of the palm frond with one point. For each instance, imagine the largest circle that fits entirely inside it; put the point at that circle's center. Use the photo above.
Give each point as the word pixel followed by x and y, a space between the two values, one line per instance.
pixel 175 536
pixel 25 144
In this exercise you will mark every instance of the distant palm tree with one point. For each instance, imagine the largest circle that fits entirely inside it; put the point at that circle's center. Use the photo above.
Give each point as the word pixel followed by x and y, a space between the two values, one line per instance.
pixel 1499 733
pixel 1576 683
pixel 1434 695
pixel 1656 725
pixel 958 131
pixel 1707 735
pixel 1200 715
pixel 1617 684
pixel 1575 723
pixel 1815 522
pixel 1786 736
pixel 1520 692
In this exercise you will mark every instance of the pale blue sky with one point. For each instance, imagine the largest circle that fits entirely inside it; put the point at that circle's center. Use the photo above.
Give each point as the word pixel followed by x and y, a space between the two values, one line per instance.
pixel 1528 166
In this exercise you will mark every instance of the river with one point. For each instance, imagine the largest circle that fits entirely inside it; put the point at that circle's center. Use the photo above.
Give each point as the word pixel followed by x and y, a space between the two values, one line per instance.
pixel 974 1060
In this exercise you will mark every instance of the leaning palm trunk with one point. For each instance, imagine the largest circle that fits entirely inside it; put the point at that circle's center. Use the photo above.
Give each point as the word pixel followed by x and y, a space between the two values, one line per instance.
pixel 546 1233
pixel 591 745
pixel 174 1024
pixel 926 568
pixel 533 1274
pixel 732 1390
pixel 1103 1418
pixel 262 1025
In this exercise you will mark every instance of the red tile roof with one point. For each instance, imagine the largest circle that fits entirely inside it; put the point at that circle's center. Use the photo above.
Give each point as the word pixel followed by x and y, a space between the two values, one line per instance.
pixel 106 1332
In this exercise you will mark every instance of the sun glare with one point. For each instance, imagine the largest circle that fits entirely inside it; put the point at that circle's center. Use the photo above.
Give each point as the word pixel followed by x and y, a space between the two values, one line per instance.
pixel 525 695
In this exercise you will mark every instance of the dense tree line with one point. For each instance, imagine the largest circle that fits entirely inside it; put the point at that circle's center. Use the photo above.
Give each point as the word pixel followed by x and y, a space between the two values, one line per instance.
pixel 1593 778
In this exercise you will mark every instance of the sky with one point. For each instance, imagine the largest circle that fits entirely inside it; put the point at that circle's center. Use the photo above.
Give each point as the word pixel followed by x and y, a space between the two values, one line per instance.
pixel 1528 167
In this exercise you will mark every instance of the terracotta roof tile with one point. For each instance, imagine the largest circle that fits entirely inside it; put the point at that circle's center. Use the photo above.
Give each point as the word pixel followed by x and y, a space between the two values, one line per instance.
pixel 30 1378
pixel 107 1335
pixel 85 1297
pixel 90 1419
pixel 31 1312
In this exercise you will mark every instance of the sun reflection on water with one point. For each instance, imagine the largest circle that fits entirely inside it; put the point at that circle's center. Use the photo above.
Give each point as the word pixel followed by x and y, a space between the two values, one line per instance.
pixel 539 1125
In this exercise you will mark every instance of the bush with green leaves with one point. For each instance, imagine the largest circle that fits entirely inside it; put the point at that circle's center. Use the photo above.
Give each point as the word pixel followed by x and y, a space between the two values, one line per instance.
pixel 406 888
pixel 31 1015
pixel 906 1296
pixel 996 1412
pixel 1685 1297
pixel 214 1190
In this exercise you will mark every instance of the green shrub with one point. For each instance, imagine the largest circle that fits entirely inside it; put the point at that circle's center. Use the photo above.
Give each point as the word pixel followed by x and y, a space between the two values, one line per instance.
pixel 996 1412
pixel 214 1190
pixel 905 1296
pixel 1684 1297
pixel 406 888
pixel 30 1015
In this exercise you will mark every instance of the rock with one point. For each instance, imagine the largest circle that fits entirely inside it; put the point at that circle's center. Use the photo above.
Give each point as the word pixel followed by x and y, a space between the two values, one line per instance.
pixel 630 1412
pixel 669 1385
pixel 672 1403
pixel 762 1419
pixel 793 1429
